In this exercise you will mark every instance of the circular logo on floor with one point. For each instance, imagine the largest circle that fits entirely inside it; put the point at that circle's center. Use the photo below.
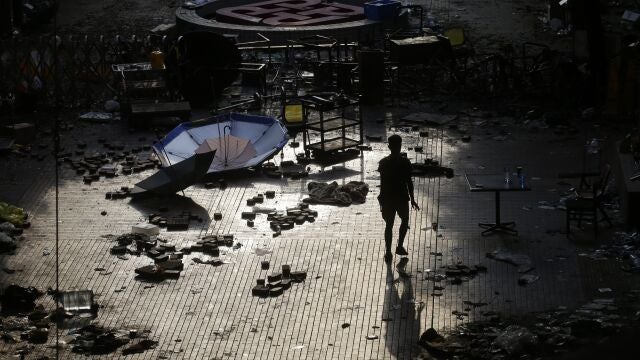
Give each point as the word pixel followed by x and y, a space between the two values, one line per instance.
pixel 290 13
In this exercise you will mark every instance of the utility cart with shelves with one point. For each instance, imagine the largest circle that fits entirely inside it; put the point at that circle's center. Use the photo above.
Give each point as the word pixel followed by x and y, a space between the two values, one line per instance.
pixel 333 123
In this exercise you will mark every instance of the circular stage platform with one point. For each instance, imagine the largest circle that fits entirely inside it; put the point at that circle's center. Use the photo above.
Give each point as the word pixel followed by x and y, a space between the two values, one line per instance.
pixel 280 20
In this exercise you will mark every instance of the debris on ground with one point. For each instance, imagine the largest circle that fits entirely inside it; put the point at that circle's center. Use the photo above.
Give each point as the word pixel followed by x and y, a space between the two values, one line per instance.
pixel 285 170
pixel 169 269
pixel 12 214
pixel 212 262
pixel 178 222
pixel 298 215
pixel 210 244
pixel 18 299
pixel 97 117
pixel 139 347
pixel 430 168
pixel 538 335
pixel 97 340
pixel 77 301
pixel 277 283
pixel 527 279
pixel 354 192
pixel 111 163
pixel 523 262
pixel 460 272
pixel 625 247
pixel 167 260
pixel 515 340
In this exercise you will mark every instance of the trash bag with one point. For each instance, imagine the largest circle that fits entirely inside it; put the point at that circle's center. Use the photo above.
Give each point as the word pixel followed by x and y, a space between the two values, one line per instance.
pixel 515 339
pixel 12 214
pixel 334 194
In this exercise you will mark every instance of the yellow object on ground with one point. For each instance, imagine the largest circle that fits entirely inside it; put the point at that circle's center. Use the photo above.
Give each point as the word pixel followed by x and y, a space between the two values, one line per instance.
pixel 12 214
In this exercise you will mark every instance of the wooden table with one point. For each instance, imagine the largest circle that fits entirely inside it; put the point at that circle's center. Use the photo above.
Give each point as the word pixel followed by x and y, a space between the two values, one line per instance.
pixel 496 183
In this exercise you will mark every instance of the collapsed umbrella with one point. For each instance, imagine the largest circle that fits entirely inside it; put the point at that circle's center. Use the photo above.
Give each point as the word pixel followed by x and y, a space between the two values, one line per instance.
pixel 171 179
pixel 233 151
pixel 241 141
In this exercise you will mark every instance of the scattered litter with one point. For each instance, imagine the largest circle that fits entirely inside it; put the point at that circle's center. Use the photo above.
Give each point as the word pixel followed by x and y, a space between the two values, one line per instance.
pixel 354 192
pixel 139 347
pixel 262 251
pixel 96 116
pixel 516 339
pixel 523 262
pixel 96 340
pixel 527 279
pixel 213 262
pixel 77 300
pixel 372 337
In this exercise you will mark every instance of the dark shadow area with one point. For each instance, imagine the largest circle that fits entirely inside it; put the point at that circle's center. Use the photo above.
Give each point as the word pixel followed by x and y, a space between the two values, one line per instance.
pixel 403 322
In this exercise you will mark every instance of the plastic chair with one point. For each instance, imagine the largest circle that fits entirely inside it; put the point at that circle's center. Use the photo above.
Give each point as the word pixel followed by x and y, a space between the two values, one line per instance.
pixel 586 205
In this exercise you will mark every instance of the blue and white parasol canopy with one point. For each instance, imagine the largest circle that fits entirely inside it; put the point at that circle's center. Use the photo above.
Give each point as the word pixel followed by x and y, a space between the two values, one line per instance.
pixel 240 140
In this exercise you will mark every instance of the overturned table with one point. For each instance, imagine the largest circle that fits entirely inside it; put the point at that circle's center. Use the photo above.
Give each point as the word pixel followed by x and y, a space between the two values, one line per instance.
pixel 497 184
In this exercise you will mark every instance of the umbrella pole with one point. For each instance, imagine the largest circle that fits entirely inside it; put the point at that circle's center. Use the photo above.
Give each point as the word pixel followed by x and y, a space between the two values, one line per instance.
pixel 226 145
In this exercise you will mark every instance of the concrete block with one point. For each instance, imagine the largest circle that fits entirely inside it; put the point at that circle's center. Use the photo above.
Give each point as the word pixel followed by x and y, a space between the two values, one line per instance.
pixel 146 229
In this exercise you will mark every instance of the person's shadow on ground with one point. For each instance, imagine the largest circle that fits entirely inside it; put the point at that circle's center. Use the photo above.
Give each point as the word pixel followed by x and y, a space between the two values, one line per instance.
pixel 400 314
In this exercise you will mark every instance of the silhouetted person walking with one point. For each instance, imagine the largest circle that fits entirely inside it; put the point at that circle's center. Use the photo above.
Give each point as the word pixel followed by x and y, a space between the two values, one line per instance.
pixel 396 189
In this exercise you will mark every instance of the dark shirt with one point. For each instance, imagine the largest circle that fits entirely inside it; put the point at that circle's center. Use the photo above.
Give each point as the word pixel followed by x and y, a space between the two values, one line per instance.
pixel 395 177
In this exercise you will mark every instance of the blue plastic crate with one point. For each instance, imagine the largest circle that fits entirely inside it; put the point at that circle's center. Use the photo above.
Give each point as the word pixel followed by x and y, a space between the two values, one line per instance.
pixel 381 10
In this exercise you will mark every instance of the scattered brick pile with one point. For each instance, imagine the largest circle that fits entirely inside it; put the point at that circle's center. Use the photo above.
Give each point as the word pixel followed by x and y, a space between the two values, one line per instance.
pixel 294 216
pixel 277 283
pixel 210 245
pixel 110 163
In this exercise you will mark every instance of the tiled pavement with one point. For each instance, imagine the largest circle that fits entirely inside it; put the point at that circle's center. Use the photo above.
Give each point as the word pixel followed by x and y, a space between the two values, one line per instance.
pixel 209 313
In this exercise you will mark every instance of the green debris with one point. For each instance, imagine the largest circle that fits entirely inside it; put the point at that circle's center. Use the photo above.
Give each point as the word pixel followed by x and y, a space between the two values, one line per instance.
pixel 12 214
